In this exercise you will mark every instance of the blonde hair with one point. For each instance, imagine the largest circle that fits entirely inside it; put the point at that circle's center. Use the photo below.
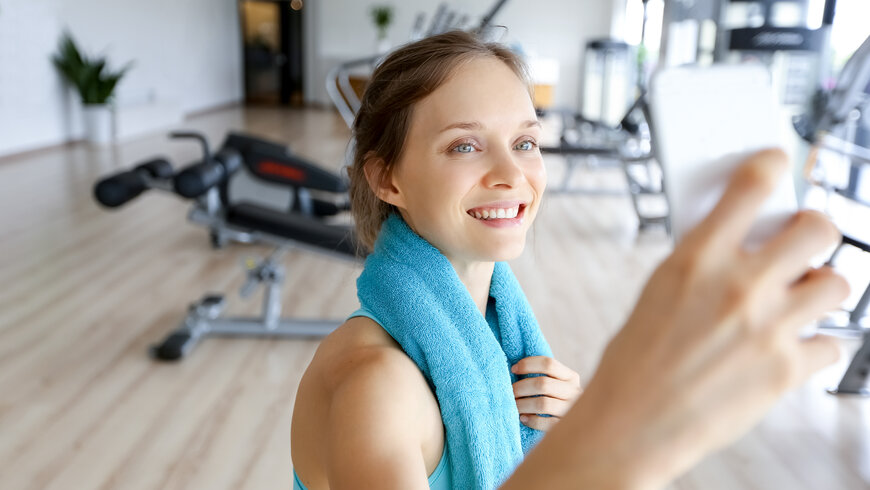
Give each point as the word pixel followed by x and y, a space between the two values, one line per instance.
pixel 406 76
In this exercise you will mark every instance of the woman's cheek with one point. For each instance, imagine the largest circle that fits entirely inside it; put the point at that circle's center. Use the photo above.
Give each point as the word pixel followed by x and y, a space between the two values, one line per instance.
pixel 537 176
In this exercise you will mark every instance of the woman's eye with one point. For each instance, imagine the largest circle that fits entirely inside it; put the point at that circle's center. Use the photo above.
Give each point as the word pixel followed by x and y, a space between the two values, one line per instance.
pixel 464 148
pixel 526 145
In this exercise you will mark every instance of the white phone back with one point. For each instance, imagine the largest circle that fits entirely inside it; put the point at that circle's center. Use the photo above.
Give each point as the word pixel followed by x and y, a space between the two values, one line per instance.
pixel 705 121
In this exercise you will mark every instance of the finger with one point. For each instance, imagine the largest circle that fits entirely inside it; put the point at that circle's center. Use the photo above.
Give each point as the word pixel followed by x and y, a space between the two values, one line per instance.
pixel 750 186
pixel 539 423
pixel 806 235
pixel 817 352
pixel 819 291
pixel 543 405
pixel 545 365
pixel 545 385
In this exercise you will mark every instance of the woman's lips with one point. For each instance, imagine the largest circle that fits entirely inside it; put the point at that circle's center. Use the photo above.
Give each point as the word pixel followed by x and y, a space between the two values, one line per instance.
pixel 500 214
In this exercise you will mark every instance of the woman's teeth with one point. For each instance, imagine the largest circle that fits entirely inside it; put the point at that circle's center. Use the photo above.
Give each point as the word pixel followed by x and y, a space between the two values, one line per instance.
pixel 505 213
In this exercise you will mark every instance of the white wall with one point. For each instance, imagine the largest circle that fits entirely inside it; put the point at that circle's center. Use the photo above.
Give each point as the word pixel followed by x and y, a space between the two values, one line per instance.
pixel 546 28
pixel 186 53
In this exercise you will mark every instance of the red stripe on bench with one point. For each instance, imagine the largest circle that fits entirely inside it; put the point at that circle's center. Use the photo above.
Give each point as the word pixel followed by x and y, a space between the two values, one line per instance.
pixel 272 168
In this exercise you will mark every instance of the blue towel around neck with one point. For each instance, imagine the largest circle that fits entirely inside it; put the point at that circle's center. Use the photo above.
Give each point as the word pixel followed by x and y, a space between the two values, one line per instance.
pixel 414 291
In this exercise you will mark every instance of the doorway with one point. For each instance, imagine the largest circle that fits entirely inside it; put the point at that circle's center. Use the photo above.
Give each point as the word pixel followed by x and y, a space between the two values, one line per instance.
pixel 272 36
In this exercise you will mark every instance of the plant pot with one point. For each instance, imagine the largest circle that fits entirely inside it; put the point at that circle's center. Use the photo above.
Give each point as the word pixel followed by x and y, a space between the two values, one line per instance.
pixel 383 46
pixel 99 124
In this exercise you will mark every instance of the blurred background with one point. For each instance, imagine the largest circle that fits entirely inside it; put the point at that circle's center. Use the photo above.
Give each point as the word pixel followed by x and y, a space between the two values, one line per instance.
pixel 202 54
pixel 122 248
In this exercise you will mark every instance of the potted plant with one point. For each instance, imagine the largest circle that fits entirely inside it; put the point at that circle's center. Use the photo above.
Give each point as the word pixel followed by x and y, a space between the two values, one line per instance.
pixel 94 83
pixel 382 15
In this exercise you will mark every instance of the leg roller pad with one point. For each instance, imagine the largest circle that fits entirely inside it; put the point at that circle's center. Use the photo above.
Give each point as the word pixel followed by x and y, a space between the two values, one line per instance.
pixel 176 345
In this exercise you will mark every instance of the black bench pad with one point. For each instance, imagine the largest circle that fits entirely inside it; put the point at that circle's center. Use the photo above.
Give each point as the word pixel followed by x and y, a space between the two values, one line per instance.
pixel 304 229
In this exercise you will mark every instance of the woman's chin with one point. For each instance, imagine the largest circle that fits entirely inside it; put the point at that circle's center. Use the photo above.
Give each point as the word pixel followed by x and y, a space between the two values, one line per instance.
pixel 504 252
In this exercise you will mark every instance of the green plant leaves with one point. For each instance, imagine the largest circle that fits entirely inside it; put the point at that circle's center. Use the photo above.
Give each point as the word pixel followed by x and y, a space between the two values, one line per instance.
pixel 382 15
pixel 90 77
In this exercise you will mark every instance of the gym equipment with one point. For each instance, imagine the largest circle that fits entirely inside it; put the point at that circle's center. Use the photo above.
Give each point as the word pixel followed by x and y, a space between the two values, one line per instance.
pixel 608 80
pixel 628 145
pixel 302 225
pixel 790 37
pixel 777 33
pixel 338 85
pixel 782 35
pixel 840 123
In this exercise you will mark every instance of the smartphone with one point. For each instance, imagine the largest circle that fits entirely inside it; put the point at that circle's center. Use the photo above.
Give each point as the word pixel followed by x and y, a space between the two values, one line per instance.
pixel 704 122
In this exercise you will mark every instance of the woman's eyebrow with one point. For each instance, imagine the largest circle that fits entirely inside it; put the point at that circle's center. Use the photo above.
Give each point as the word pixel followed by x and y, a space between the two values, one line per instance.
pixel 474 125
pixel 468 125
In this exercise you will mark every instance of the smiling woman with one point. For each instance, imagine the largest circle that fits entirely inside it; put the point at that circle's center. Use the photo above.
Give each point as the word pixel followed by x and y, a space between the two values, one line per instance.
pixel 448 177
pixel 383 127
pixel 444 372
pixel 470 148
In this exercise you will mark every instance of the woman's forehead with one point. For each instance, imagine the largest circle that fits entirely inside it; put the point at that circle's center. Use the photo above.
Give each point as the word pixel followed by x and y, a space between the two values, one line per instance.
pixel 484 90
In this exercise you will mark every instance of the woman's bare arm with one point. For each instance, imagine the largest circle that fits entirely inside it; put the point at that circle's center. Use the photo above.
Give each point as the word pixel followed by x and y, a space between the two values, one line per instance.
pixel 712 343
pixel 374 437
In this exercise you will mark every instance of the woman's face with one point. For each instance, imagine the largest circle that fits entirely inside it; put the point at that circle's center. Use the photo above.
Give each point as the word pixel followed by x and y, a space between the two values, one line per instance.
pixel 471 177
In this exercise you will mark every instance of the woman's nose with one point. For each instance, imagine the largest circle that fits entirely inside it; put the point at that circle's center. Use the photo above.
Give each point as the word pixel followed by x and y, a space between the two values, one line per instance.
pixel 504 170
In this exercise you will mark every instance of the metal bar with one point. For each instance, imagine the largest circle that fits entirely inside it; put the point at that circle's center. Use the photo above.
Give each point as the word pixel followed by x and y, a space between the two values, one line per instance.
pixel 487 19
pixel 335 94
pixel 860 308
pixel 348 92
pixel 341 92
pixel 854 382
pixel 436 19
pixel 847 148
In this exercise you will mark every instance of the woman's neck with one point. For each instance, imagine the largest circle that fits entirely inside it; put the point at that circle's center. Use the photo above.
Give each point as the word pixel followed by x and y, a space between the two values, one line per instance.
pixel 477 277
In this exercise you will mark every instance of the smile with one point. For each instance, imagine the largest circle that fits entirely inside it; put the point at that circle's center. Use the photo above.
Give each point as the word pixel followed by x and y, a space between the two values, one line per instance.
pixel 494 213
pixel 505 212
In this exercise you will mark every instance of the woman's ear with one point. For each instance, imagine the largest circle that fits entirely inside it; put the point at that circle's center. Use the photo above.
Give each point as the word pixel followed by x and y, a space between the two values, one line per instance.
pixel 380 181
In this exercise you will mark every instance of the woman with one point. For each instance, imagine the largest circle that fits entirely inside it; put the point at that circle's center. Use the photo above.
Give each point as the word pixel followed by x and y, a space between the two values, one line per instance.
pixel 411 391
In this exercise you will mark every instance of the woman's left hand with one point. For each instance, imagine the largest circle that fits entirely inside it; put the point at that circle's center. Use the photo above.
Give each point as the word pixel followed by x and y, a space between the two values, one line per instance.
pixel 551 394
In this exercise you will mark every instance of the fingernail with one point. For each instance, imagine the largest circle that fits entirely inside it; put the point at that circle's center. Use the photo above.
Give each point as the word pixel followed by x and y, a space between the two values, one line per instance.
pixel 514 368
pixel 524 418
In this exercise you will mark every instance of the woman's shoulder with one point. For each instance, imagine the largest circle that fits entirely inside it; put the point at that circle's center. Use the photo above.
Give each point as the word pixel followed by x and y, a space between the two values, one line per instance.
pixel 359 344
pixel 359 371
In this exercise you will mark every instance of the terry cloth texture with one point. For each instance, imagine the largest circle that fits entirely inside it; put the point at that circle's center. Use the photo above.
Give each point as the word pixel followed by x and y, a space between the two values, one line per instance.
pixel 420 301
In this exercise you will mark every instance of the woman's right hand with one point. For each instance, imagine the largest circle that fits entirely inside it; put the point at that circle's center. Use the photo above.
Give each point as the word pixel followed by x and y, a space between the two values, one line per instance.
pixel 712 343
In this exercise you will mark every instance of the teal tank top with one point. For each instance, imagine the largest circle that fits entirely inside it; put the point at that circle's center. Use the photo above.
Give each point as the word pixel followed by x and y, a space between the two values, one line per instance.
pixel 440 479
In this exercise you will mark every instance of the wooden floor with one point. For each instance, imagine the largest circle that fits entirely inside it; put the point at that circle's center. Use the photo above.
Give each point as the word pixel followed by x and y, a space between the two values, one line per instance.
pixel 85 292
